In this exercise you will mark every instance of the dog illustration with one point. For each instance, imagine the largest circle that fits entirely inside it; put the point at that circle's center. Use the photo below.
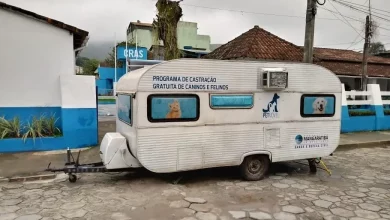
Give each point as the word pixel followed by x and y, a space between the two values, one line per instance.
pixel 174 110
pixel 319 105
pixel 272 105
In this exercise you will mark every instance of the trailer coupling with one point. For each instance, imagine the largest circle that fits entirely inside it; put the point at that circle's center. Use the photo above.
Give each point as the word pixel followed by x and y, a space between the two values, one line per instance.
pixel 73 166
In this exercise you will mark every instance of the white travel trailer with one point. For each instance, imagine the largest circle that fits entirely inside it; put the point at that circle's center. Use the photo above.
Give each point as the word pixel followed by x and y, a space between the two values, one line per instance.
pixel 192 114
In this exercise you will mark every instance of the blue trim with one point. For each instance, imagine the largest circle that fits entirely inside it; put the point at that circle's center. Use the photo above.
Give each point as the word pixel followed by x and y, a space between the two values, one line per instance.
pixel 344 112
pixel 358 123
pixel 79 128
pixel 41 144
pixel 365 123
pixel 231 101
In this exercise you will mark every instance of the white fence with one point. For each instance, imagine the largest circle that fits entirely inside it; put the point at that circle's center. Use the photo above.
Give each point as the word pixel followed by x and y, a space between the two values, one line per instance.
pixel 373 96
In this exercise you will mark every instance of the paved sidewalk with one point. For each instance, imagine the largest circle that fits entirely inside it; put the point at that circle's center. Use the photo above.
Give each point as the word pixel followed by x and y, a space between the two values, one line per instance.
pixel 24 164
pixel 364 139
pixel 358 189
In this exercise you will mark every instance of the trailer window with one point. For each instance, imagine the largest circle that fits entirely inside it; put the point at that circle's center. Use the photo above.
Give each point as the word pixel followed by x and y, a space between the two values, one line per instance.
pixel 229 101
pixel 173 108
pixel 124 108
pixel 318 105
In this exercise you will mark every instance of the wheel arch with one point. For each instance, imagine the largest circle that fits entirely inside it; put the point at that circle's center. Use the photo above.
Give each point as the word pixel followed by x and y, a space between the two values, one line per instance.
pixel 257 152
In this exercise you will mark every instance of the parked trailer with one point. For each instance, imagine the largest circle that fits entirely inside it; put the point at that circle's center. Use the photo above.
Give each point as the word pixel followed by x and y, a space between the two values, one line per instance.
pixel 190 114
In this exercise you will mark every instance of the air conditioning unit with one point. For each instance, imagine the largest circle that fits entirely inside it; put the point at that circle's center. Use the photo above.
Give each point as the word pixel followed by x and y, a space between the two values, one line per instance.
pixel 273 78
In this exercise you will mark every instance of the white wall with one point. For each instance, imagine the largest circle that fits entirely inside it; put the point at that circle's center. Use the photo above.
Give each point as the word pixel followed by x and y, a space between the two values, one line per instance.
pixel 78 91
pixel 33 55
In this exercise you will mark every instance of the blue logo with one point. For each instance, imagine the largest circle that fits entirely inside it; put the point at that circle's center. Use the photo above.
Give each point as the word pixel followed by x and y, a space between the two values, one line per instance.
pixel 298 139
pixel 272 108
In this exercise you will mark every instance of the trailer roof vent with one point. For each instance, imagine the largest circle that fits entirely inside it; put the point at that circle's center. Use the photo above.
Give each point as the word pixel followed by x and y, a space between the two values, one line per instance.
pixel 273 78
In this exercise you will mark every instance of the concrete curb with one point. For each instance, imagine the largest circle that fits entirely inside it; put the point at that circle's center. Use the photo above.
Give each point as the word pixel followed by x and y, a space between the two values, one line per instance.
pixel 371 144
pixel 31 178
pixel 54 152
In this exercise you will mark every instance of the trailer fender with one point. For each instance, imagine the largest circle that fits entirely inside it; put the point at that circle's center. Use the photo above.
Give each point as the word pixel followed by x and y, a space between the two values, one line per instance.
pixel 257 152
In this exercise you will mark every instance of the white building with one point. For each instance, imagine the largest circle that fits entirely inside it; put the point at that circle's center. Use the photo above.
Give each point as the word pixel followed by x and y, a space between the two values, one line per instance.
pixel 37 76
pixel 187 36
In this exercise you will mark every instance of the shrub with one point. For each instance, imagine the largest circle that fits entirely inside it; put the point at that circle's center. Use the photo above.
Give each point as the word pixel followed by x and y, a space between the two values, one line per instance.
pixel 387 111
pixel 49 125
pixel 34 129
pixel 361 113
pixel 38 127
pixel 10 128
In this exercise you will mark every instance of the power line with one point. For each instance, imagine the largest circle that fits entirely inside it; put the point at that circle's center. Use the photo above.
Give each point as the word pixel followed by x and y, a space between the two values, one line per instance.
pixel 251 12
pixel 355 41
pixel 354 19
pixel 361 10
pixel 344 18
pixel 281 15
pixel 347 2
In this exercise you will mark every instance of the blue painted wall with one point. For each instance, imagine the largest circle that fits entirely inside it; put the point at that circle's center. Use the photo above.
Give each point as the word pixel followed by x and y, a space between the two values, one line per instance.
pixel 365 123
pixel 79 127
pixel 107 77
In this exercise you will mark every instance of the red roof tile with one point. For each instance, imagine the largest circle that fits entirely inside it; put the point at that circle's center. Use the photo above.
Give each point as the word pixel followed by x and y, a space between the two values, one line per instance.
pixel 355 68
pixel 258 43
pixel 346 55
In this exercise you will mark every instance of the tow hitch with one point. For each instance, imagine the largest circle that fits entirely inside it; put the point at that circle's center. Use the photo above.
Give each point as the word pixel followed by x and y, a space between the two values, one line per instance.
pixel 73 166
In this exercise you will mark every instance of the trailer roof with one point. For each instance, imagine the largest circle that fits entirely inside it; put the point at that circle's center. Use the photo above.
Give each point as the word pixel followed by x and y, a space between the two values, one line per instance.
pixel 205 75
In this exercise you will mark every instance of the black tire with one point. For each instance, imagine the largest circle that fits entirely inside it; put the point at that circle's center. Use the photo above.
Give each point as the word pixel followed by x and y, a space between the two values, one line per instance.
pixel 72 178
pixel 254 167
pixel 313 166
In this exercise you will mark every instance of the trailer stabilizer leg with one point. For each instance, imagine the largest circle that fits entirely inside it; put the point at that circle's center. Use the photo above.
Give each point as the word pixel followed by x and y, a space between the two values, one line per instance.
pixel 312 166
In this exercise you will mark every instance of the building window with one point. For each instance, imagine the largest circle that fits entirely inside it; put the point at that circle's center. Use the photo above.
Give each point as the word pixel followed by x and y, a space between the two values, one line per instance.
pixel 318 105
pixel 124 108
pixel 173 108
pixel 240 101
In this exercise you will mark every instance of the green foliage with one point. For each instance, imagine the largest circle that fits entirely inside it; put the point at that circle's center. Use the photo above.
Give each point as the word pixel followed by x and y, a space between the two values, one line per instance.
pixel 387 112
pixel 376 47
pixel 165 27
pixel 361 113
pixel 38 127
pixel 80 61
pixel 90 66
pixel 50 126
pixel 9 128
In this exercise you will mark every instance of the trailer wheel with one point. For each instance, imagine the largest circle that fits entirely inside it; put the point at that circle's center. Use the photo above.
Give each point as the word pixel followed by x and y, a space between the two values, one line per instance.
pixel 72 178
pixel 254 167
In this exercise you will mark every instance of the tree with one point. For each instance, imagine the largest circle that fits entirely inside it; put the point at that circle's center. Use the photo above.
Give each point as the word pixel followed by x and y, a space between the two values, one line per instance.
pixel 90 66
pixel 376 47
pixel 165 26
pixel 80 61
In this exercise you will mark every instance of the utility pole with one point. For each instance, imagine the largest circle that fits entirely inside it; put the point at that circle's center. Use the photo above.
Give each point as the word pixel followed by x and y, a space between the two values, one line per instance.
pixel 311 12
pixel 367 42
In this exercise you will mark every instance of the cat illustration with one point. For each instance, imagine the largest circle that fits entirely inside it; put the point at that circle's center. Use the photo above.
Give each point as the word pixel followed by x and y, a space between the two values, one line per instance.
pixel 174 110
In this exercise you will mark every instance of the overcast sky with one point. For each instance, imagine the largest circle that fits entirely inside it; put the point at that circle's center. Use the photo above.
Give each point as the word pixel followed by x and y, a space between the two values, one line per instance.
pixel 102 18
